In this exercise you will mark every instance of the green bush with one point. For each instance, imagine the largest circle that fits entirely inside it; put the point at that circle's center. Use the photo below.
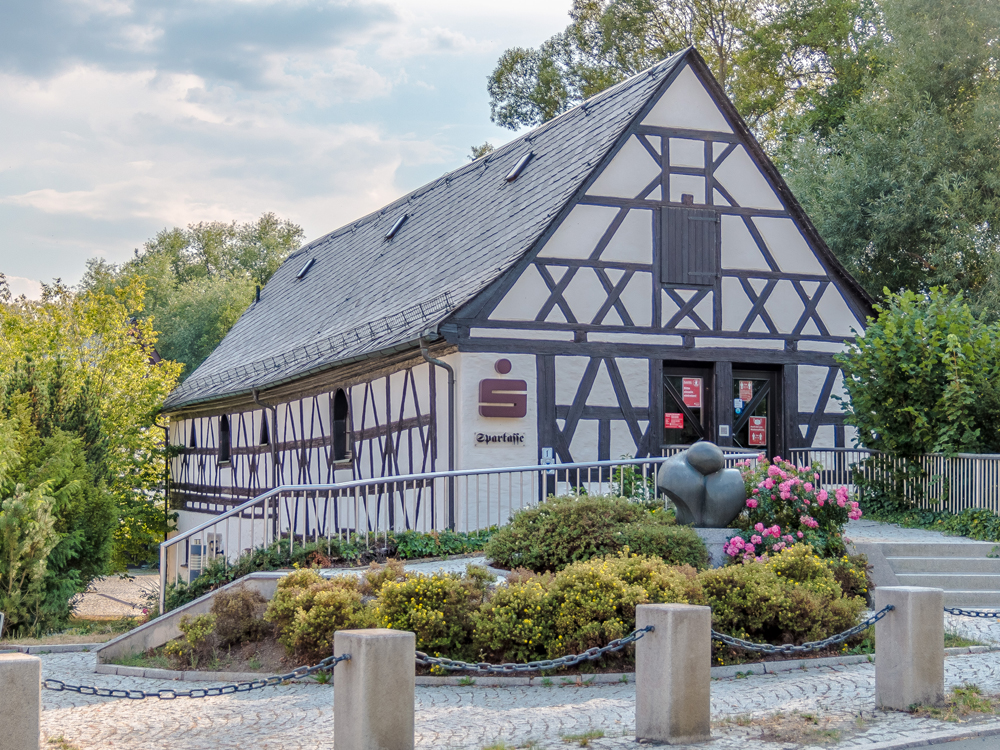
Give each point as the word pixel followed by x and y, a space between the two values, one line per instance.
pixel 586 604
pixel 594 601
pixel 308 609
pixel 197 645
pixel 563 530
pixel 793 598
pixel 439 609
pixel 239 616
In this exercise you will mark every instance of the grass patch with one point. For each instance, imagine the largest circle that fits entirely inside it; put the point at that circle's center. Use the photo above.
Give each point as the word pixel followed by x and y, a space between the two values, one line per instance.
pixel 583 740
pixel 805 729
pixel 954 640
pixel 964 702
pixel 78 630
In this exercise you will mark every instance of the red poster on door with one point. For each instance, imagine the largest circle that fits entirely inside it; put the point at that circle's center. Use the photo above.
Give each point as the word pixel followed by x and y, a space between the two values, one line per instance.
pixel 746 390
pixel 673 421
pixel 758 431
pixel 691 392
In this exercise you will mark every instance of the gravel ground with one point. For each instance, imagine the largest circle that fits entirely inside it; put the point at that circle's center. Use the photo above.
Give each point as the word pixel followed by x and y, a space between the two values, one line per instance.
pixel 115 597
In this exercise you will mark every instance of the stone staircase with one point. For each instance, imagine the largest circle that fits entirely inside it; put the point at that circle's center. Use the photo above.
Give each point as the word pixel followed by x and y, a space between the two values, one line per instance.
pixel 968 574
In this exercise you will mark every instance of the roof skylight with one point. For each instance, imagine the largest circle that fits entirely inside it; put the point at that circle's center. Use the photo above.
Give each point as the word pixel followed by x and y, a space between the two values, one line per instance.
pixel 521 164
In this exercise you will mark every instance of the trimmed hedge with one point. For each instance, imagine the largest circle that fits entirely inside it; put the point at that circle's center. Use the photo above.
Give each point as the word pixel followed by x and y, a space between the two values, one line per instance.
pixel 564 530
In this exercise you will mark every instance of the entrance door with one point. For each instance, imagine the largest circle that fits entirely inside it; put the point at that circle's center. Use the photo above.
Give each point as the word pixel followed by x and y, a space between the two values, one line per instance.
pixel 755 410
pixel 687 401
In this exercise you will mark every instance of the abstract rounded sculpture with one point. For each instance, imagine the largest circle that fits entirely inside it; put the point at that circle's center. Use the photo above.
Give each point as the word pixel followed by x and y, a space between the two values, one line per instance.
pixel 705 493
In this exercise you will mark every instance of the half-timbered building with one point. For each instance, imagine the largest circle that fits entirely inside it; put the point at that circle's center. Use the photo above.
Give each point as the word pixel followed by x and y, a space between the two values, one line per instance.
pixel 630 276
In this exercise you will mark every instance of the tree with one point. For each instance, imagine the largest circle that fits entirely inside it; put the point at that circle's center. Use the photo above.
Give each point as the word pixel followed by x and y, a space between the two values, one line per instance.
pixel 906 190
pixel 200 280
pixel 82 366
pixel 478 152
pixel 925 377
pixel 776 60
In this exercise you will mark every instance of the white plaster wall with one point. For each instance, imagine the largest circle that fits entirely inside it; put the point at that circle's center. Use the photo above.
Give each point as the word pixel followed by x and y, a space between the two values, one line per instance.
pixel 686 104
pixel 784 306
pixel 579 232
pixel 685 152
pixel 740 176
pixel 739 251
pixel 524 298
pixel 629 172
pixel 787 245
pixel 585 295
pixel 811 379
pixel 633 240
pixel 836 315
pixel 638 299
pixel 681 184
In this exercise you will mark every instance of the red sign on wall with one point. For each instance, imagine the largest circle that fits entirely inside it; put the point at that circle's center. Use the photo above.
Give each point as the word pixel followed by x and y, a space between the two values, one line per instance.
pixel 673 421
pixel 691 392
pixel 746 390
pixel 758 431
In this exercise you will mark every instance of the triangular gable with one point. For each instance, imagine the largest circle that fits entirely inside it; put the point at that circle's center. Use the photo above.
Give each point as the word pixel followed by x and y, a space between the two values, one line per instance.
pixel 690 145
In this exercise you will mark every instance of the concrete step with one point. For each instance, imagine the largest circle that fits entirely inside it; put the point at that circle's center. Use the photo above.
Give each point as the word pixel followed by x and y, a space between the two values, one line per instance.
pixel 972 599
pixel 951 581
pixel 946 549
pixel 944 565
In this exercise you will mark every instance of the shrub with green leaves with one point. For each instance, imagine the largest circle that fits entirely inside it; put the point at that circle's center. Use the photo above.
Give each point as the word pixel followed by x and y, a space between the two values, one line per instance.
pixel 563 530
pixel 438 608
pixel 198 643
pixel 239 616
pixel 792 598
pixel 307 610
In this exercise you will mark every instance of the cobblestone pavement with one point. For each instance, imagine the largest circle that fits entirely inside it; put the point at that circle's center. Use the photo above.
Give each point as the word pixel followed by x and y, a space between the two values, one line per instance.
pixel 301 716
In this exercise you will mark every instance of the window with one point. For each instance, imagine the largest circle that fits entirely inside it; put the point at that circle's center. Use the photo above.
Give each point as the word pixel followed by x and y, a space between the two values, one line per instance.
pixel 689 245
pixel 687 404
pixel 341 426
pixel 225 449
pixel 265 434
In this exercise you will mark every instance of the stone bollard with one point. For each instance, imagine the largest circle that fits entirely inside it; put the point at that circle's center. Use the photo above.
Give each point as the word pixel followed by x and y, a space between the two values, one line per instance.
pixel 672 677
pixel 20 701
pixel 374 691
pixel 909 647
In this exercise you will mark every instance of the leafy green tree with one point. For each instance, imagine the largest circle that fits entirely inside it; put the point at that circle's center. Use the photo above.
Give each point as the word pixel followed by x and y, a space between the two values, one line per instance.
pixel 925 377
pixel 776 60
pixel 200 280
pixel 906 190
pixel 82 367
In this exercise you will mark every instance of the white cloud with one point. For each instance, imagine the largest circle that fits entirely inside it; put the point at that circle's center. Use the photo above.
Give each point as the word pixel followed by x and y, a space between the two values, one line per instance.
pixel 19 285
pixel 99 153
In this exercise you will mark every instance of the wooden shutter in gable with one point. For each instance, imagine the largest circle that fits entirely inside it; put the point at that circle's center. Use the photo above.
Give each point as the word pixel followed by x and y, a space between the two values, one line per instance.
pixel 689 251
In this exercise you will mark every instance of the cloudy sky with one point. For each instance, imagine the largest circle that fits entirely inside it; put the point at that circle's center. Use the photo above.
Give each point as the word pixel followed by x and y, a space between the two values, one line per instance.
pixel 121 117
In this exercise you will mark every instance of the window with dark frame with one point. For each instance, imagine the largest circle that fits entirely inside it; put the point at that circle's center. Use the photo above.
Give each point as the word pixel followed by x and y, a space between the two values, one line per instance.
pixel 225 440
pixel 689 240
pixel 341 427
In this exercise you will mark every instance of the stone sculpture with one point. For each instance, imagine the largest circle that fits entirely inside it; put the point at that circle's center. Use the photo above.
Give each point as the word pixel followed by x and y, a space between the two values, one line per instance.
pixel 705 493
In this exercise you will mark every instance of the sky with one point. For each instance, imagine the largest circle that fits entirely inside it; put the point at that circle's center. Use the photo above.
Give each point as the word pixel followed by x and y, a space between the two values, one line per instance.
pixel 119 118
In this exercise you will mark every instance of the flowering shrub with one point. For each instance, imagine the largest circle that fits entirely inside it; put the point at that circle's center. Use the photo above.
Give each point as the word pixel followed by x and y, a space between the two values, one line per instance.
pixel 437 608
pixel 785 505
pixel 308 609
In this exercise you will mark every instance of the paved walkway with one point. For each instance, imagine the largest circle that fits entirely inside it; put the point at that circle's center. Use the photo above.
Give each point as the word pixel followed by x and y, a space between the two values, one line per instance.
pixel 880 533
pixel 839 699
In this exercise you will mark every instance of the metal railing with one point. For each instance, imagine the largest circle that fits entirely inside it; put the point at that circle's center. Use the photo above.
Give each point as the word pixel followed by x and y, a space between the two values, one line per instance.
pixel 468 500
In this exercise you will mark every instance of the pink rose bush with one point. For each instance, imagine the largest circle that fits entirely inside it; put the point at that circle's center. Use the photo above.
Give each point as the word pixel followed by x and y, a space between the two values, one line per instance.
pixel 785 505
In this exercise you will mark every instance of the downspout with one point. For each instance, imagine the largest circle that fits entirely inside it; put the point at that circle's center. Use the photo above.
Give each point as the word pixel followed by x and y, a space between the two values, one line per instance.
pixel 273 435
pixel 451 426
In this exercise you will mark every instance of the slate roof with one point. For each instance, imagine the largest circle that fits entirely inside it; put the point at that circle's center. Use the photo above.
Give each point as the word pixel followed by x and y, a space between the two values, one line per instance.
pixel 365 295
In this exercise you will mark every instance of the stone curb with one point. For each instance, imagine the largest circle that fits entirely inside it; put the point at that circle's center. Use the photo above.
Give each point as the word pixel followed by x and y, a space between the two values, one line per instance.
pixel 718 673
pixel 935 738
pixel 56 648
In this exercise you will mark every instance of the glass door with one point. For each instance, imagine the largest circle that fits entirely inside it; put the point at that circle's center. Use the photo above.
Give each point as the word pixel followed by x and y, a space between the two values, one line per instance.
pixel 687 399
pixel 755 410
